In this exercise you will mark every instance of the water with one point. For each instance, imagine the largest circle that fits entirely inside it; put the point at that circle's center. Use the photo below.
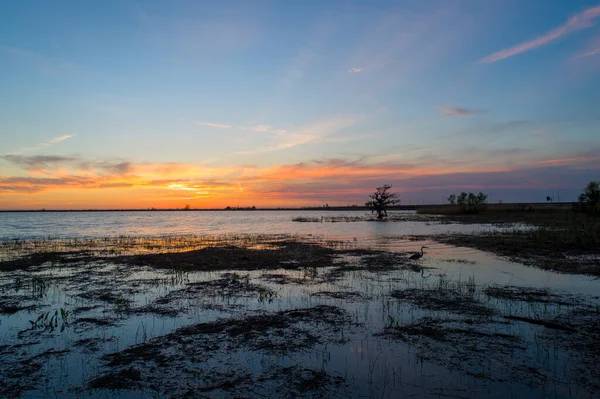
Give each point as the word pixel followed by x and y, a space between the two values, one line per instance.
pixel 100 224
pixel 370 364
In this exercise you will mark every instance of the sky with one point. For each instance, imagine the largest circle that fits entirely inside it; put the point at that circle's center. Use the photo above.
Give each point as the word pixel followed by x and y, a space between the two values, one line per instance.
pixel 154 104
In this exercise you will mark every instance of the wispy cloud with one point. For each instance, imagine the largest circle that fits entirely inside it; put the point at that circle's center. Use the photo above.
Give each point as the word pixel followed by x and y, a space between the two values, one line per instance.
pixel 320 131
pixel 448 110
pixel 577 22
pixel 589 53
pixel 281 139
pixel 217 125
pixel 46 164
pixel 591 49
pixel 355 70
pixel 37 161
pixel 486 130
pixel 255 128
pixel 61 138
pixel 263 129
pixel 44 144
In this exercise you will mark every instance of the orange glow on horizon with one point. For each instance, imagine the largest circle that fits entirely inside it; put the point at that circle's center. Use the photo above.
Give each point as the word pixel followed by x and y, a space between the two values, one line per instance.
pixel 175 185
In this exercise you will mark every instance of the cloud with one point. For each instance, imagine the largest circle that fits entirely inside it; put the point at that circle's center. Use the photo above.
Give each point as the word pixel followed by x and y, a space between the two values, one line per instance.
pixel 577 22
pixel 61 138
pixel 217 125
pixel 263 129
pixel 46 164
pixel 589 53
pixel 319 131
pixel 355 70
pixel 448 110
pixel 591 49
pixel 44 144
pixel 280 139
pixel 37 161
pixel 335 180
pixel 255 128
pixel 489 129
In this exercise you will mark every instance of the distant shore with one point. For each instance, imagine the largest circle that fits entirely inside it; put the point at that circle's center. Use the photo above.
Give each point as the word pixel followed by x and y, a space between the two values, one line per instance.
pixel 491 207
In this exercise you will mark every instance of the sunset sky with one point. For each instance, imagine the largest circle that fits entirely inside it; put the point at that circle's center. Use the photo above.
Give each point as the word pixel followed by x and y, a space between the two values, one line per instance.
pixel 139 104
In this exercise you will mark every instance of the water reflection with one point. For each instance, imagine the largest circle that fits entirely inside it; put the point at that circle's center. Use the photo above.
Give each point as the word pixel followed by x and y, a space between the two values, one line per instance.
pixel 114 307
pixel 100 224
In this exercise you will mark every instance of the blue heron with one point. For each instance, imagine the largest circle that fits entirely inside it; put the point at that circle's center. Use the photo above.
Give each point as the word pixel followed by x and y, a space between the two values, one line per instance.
pixel 418 255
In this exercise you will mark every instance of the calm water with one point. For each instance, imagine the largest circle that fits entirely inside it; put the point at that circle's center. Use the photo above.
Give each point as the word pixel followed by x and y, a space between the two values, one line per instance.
pixel 99 224
pixel 372 366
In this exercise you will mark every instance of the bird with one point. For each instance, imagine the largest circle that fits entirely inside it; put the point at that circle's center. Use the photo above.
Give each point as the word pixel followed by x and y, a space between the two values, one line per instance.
pixel 417 255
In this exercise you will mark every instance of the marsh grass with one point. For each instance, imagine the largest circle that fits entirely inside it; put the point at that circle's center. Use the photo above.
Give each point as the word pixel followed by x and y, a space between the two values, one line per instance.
pixel 392 217
pixel 567 251
pixel 181 252
pixel 51 321
pixel 460 297
pixel 194 354
pixel 57 250
pixel 486 332
pixel 500 332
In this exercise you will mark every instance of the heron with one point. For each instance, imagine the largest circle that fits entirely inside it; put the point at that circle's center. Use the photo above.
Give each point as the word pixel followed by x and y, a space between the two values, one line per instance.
pixel 418 255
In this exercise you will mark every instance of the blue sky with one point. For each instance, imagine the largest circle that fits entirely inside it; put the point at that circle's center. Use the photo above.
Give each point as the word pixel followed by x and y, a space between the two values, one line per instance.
pixel 294 103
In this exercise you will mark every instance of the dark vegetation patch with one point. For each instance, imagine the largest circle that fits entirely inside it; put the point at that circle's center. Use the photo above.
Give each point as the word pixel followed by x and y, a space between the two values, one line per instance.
pixel 300 381
pixel 278 255
pixel 279 332
pixel 230 285
pixel 11 306
pixel 528 294
pixel 83 309
pixel 108 296
pixel 563 240
pixel 95 321
pixel 38 259
pixel 282 279
pixel 540 322
pixel 275 382
pixel 392 217
pixel 497 346
pixel 445 330
pixel 485 350
pixel 461 261
pixel 546 215
pixel 21 372
pixel 195 352
pixel 339 295
pixel 540 248
pixel 460 299
pixel 88 344
pixel 580 341
pixel 123 379
pixel 375 261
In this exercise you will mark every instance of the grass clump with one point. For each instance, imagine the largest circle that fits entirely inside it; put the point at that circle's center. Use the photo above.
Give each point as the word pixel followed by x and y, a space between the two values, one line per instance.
pixel 447 296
